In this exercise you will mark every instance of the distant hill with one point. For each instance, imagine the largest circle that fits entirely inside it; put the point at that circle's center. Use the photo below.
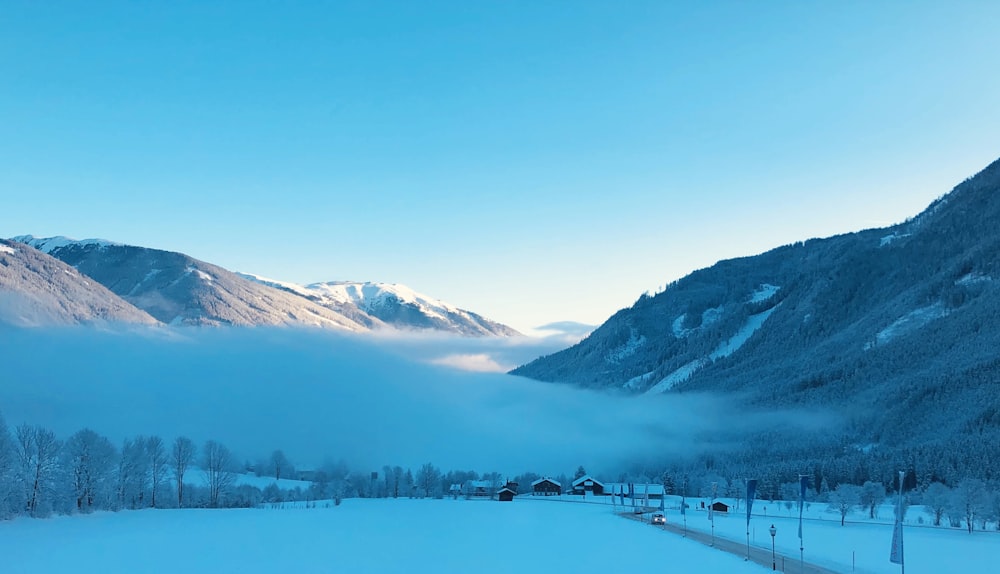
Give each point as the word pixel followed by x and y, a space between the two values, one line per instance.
pixel 394 304
pixel 180 290
pixel 897 329
pixel 36 289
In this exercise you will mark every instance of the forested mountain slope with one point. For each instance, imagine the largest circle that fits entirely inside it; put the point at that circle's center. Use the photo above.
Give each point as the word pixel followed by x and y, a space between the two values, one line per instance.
pixel 896 328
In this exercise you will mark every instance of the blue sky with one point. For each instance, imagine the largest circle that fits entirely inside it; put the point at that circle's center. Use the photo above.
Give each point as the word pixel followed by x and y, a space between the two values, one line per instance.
pixel 531 161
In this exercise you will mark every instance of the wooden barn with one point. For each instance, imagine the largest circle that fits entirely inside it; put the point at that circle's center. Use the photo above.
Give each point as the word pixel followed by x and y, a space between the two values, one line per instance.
pixel 720 507
pixel 546 487
pixel 506 494
pixel 586 484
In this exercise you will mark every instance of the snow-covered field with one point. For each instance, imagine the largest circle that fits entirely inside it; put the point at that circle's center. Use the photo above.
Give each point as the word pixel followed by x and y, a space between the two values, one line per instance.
pixel 861 545
pixel 443 536
pixel 382 535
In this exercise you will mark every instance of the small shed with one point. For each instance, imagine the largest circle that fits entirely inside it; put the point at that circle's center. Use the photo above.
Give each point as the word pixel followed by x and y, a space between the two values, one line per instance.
pixel 546 487
pixel 506 494
pixel 720 507
pixel 586 484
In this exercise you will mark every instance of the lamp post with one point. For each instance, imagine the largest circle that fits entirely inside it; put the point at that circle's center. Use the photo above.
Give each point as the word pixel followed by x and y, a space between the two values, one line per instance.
pixel 773 531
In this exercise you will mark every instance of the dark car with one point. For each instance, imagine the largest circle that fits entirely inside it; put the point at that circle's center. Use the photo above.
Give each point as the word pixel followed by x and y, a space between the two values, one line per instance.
pixel 659 519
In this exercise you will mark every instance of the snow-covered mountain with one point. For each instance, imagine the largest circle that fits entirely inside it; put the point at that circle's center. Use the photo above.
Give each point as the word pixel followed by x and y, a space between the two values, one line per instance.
pixel 178 289
pixel 896 328
pixel 394 304
pixel 36 289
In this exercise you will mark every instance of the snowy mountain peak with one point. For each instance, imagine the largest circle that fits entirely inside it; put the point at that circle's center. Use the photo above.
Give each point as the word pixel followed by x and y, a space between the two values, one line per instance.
pixel 50 244
pixel 370 295
pixel 392 303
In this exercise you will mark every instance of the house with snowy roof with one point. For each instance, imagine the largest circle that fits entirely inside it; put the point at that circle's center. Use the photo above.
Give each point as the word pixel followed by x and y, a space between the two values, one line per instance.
pixel 546 487
pixel 478 488
pixel 508 492
pixel 635 490
pixel 586 484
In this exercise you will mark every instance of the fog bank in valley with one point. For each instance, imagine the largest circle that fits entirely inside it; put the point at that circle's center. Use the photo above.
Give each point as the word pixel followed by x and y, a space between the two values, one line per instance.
pixel 317 395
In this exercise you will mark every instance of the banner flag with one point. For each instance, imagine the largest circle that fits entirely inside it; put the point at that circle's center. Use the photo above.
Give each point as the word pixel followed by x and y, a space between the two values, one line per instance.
pixel 896 553
pixel 711 509
pixel 803 485
pixel 683 505
pixel 751 492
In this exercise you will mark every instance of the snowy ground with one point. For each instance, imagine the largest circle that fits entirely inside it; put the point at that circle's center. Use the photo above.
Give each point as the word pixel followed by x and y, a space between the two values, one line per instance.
pixel 440 536
pixel 861 545
pixel 444 536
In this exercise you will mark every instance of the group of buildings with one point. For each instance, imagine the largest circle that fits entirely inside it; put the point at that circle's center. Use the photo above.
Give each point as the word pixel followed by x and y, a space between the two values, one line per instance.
pixel 583 486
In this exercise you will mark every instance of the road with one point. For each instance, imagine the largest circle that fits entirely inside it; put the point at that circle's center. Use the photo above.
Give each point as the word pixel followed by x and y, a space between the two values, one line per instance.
pixel 761 556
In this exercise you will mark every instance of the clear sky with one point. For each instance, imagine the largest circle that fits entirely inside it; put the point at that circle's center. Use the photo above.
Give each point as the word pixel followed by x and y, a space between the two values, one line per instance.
pixel 531 161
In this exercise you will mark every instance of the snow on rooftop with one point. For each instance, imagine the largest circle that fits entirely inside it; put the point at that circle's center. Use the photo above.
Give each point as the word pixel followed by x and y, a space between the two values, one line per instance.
pixel 546 479
pixel 585 478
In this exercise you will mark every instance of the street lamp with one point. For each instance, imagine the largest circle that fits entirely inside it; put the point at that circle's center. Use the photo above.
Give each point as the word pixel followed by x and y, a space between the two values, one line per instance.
pixel 773 531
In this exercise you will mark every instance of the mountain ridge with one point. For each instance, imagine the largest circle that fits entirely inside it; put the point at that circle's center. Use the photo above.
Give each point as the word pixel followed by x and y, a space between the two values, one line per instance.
pixel 895 327
pixel 181 290
pixel 36 289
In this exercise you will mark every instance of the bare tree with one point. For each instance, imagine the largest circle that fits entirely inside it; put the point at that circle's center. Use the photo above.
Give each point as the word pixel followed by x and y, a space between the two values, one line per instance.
pixel 429 481
pixel 217 462
pixel 156 457
pixel 90 460
pixel 968 500
pixel 397 480
pixel 38 454
pixel 181 457
pixel 937 498
pixel 279 464
pixel 844 498
pixel 7 470
pixel 133 473
pixel 872 495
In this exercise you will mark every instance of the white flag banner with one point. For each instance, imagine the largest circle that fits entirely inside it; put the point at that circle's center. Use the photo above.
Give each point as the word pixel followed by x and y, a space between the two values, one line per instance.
pixel 896 554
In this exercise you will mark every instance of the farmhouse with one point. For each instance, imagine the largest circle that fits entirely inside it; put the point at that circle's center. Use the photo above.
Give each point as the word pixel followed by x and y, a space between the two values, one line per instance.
pixel 546 487
pixel 479 488
pixel 635 490
pixel 586 484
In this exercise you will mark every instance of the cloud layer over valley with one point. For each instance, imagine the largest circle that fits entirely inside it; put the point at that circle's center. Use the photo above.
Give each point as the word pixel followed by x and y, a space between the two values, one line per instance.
pixel 320 395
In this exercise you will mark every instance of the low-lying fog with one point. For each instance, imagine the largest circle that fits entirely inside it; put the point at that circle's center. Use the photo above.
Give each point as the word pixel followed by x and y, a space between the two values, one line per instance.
pixel 317 395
